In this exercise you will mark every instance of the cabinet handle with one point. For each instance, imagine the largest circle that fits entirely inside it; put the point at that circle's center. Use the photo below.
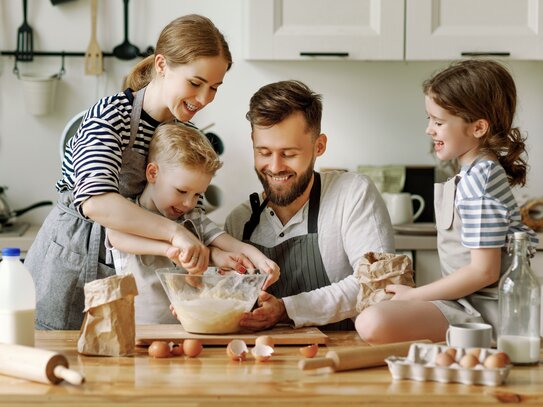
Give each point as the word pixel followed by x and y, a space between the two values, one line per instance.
pixel 324 54
pixel 489 54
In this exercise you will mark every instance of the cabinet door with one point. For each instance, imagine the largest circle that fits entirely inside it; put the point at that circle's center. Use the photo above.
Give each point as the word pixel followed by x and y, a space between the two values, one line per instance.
pixel 306 29
pixel 450 29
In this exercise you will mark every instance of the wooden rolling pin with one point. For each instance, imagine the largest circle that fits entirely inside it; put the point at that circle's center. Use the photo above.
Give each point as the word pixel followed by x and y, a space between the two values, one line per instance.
pixel 359 357
pixel 36 364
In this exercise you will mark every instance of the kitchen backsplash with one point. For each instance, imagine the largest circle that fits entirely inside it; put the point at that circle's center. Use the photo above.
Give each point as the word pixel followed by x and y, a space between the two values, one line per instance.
pixel 373 111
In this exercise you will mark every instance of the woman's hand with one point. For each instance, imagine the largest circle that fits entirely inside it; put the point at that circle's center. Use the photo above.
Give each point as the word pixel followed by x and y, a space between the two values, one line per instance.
pixel 400 292
pixel 271 268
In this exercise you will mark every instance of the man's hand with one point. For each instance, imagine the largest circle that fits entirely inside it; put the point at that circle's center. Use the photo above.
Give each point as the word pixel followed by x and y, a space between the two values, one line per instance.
pixel 271 310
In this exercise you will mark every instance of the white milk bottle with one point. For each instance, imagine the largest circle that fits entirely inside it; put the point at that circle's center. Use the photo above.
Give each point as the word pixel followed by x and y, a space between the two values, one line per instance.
pixel 17 300
pixel 519 298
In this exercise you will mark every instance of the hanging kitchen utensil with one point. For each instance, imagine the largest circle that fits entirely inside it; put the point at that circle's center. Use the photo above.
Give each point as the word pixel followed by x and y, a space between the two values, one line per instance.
pixel 126 50
pixel 7 215
pixel 93 55
pixel 25 45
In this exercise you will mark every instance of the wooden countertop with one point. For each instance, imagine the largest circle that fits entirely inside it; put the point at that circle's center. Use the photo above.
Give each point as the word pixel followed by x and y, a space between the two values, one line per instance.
pixel 212 379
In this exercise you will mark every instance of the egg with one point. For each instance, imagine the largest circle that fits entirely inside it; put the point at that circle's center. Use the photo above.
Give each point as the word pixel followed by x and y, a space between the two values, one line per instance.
pixel 443 359
pixel 468 361
pixel 451 352
pixel 237 350
pixel 192 347
pixel 261 353
pixel 309 351
pixel 177 350
pixel 496 361
pixel 264 340
pixel 159 349
pixel 475 352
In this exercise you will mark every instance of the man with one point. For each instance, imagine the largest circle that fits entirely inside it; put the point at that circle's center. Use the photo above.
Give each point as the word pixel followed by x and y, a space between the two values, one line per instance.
pixel 314 226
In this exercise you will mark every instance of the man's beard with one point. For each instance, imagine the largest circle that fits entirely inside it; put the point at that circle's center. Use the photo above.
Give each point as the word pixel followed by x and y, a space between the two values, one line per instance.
pixel 284 198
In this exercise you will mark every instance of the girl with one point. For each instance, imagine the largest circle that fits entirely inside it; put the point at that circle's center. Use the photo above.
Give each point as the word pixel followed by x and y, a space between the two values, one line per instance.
pixel 470 107
pixel 105 163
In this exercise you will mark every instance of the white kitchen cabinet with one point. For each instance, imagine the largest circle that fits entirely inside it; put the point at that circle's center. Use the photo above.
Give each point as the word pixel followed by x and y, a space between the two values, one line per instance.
pixel 307 29
pixel 392 29
pixel 450 29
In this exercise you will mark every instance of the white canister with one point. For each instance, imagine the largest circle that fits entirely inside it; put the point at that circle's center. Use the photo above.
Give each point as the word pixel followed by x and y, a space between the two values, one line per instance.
pixel 39 93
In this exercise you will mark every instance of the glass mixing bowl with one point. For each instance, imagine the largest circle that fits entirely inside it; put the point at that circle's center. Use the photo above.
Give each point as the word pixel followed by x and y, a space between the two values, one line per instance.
pixel 211 303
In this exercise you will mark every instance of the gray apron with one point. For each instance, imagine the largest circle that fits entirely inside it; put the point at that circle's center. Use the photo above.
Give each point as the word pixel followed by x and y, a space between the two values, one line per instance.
pixel 69 250
pixel 481 306
pixel 299 257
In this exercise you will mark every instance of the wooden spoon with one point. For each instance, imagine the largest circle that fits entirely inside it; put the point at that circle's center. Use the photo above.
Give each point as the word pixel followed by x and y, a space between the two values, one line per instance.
pixel 93 56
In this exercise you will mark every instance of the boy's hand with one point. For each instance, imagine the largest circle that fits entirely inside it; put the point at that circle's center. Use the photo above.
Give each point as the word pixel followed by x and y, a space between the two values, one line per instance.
pixel 194 256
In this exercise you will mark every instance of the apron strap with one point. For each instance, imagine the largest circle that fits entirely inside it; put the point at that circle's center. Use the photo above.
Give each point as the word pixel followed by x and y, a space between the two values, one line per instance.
pixel 314 204
pixel 137 107
pixel 256 211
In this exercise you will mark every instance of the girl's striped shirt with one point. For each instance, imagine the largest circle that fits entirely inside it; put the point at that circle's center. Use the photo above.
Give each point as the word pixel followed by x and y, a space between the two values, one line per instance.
pixel 487 207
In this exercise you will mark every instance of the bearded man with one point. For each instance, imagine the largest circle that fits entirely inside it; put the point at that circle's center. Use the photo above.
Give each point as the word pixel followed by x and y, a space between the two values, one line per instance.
pixel 316 227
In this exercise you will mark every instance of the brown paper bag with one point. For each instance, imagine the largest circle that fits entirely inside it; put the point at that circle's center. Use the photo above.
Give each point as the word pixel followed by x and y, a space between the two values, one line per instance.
pixel 377 270
pixel 109 327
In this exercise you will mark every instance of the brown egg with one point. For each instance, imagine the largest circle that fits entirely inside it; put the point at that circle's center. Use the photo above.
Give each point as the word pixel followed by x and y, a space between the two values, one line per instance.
pixel 264 340
pixel 496 361
pixel 505 357
pixel 443 359
pixel 468 361
pixel 237 350
pixel 474 351
pixel 192 347
pixel 309 351
pixel 177 350
pixel 159 349
pixel 451 352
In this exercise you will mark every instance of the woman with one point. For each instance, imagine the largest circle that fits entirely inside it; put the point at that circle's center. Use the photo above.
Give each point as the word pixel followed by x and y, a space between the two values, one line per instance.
pixel 105 162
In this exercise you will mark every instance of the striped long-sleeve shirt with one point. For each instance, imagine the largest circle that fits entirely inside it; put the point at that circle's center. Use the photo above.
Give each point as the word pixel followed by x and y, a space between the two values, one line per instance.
pixel 487 207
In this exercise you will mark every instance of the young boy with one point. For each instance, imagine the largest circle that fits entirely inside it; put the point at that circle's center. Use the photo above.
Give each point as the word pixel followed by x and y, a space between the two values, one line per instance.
pixel 180 166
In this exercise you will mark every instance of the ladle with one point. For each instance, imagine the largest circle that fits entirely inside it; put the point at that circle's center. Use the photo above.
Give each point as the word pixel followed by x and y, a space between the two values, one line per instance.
pixel 126 50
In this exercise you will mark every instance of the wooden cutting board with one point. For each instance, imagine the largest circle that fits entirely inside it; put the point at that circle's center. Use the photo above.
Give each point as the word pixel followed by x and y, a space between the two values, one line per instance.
pixel 282 335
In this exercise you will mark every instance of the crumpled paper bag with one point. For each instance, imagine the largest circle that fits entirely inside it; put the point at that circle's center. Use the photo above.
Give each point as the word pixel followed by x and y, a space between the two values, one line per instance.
pixel 377 270
pixel 109 327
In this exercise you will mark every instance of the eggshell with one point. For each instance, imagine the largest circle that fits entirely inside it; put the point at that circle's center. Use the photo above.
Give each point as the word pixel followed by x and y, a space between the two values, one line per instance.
pixel 264 340
pixel 177 350
pixel 261 353
pixel 237 350
pixel 443 359
pixel 192 347
pixel 468 361
pixel 159 349
pixel 309 351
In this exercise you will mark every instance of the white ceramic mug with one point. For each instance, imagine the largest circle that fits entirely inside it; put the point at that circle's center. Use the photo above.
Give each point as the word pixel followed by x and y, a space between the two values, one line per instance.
pixel 469 335
pixel 400 207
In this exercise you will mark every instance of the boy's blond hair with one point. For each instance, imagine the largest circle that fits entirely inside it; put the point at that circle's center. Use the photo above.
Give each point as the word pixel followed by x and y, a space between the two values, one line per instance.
pixel 178 144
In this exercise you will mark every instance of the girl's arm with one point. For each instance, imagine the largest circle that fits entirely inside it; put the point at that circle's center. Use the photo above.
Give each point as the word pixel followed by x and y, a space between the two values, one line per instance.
pixel 230 244
pixel 483 270
pixel 115 212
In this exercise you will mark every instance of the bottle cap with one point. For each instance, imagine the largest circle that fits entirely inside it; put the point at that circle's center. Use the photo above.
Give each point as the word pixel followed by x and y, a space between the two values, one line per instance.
pixel 11 251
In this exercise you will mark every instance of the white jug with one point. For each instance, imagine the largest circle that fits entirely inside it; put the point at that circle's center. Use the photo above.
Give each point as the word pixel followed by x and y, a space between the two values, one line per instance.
pixel 400 207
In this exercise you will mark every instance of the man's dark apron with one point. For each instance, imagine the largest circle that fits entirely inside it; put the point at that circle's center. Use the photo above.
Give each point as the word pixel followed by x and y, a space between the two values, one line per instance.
pixel 69 249
pixel 299 257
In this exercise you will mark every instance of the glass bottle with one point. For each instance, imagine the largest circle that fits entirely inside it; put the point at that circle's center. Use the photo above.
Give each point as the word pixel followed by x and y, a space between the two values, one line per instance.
pixel 17 300
pixel 519 299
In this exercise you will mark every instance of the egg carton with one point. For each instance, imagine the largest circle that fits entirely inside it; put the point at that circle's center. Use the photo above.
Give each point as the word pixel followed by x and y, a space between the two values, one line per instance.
pixel 420 365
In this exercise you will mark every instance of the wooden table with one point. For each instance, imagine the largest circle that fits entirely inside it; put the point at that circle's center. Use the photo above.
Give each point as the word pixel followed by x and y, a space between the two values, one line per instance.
pixel 212 379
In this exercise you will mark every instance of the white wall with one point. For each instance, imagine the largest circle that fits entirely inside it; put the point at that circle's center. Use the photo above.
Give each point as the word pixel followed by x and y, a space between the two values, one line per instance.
pixel 374 111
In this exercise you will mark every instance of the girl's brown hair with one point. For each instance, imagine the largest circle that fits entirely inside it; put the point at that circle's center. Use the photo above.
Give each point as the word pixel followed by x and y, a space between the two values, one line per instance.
pixel 182 41
pixel 484 89
pixel 178 144
pixel 273 103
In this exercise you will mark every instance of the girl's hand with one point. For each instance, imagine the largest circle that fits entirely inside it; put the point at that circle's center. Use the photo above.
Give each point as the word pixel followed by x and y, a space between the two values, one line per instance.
pixel 401 292
pixel 268 266
pixel 230 261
